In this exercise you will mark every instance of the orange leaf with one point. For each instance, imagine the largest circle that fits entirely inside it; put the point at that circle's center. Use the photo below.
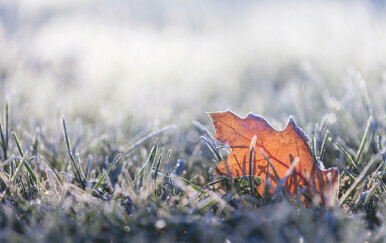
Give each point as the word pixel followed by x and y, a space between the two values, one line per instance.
pixel 282 148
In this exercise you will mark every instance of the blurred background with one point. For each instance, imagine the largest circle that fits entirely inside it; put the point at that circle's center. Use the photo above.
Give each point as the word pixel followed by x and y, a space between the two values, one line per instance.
pixel 167 62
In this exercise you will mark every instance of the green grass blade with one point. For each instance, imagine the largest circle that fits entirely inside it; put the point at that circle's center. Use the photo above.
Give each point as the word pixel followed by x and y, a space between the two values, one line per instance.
pixel 80 169
pixel 72 159
pixel 359 179
pixel 19 168
pixel 364 139
pixel 27 166
pixel 18 144
pixel 251 160
pixel 313 148
pixel 322 148
pixel 30 171
pixel 189 183
pixel 35 145
pixel 383 154
pixel 6 138
pixel 152 155
pixel 344 169
pixel 270 164
pixel 3 141
pixel 347 155
pixel 101 179
pixel 148 164
pixel 157 168
pixel 212 148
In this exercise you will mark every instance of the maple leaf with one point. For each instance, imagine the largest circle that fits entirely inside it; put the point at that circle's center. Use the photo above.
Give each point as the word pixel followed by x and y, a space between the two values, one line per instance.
pixel 281 148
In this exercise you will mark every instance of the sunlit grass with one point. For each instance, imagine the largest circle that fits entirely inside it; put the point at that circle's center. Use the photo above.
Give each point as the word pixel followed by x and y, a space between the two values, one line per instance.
pixel 89 186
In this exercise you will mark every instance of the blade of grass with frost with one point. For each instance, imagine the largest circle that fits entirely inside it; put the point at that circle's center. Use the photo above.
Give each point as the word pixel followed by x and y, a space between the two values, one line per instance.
pixel 3 141
pixel 53 180
pixel 148 164
pixel 203 129
pixel 211 147
pixel 344 169
pixel 267 187
pixel 88 167
pixel 148 137
pixel 4 177
pixel 371 192
pixel 251 153
pixel 313 148
pixel 10 162
pixel 322 148
pixel 20 166
pixel 303 193
pixel 4 163
pixel 360 178
pixel 157 168
pixel 72 160
pixel 152 158
pixel 383 154
pixel 80 168
pixel 190 184
pixel 35 144
pixel 127 177
pixel 169 170
pixel 270 164
pixel 115 161
pixel 4 137
pixel 212 183
pixel 365 97
pixel 187 182
pixel 30 172
pixel 348 156
pixel 364 139
pixel 280 187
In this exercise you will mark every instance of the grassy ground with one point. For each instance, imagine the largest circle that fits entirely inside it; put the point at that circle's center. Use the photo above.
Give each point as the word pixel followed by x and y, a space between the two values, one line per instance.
pixel 93 182
pixel 105 136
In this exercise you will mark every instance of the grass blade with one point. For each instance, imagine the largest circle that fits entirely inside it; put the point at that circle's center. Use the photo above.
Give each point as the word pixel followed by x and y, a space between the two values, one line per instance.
pixel 148 164
pixel 4 135
pixel 88 167
pixel 72 160
pixel 383 154
pixel 270 164
pixel 348 156
pixel 364 139
pixel 280 186
pixel 359 179
pixel 322 148
pixel 313 148
pixel 152 155
pixel 148 137
pixel 18 144
pixel 18 169
pixel 251 160
pixel 157 168
pixel 30 171
pixel 101 179
pixel 344 169
pixel 3 142
pixel 27 166
pixel 212 148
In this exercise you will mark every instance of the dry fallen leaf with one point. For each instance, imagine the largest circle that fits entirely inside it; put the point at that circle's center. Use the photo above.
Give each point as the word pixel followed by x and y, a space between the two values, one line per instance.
pixel 282 148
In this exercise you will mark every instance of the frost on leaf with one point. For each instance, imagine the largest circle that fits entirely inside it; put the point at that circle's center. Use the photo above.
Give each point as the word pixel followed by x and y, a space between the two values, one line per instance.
pixel 281 148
